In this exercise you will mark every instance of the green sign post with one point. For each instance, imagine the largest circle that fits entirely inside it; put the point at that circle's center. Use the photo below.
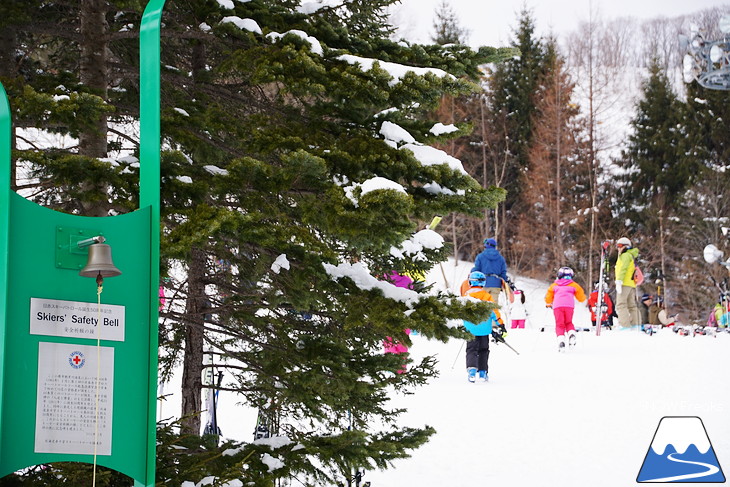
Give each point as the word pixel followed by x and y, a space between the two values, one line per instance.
pixel 78 368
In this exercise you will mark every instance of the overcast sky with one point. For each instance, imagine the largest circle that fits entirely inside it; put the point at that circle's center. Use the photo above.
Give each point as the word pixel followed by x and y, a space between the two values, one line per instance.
pixel 491 22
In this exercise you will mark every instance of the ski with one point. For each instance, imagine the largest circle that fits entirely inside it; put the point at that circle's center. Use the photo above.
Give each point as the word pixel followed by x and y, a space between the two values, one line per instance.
pixel 267 421
pixel 602 275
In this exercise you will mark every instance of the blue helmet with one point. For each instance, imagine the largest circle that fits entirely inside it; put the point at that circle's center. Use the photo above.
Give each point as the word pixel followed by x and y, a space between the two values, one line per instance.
pixel 490 242
pixel 477 278
pixel 565 273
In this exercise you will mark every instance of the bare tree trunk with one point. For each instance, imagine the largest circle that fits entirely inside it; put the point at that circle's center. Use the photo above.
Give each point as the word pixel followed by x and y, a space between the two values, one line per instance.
pixel 93 74
pixel 485 182
pixel 195 309
pixel 93 71
pixel 662 254
pixel 192 382
pixel 560 252
pixel 598 52
pixel 7 51
pixel 452 149
pixel 593 163
pixel 454 240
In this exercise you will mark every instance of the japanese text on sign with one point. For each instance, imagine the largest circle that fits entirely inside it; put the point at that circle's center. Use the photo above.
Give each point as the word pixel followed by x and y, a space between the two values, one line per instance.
pixel 74 319
pixel 69 391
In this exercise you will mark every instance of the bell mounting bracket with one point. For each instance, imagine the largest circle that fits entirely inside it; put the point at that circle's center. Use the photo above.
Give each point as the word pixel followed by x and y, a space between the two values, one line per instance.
pixel 69 254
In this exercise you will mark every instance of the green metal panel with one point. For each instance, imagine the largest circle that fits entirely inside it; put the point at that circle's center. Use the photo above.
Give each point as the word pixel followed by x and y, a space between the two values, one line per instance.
pixel 33 274
pixel 38 259
pixel 5 134
pixel 149 148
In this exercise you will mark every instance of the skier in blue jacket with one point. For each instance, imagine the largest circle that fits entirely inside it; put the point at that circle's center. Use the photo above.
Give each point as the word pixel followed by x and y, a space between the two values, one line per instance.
pixel 491 263
pixel 477 350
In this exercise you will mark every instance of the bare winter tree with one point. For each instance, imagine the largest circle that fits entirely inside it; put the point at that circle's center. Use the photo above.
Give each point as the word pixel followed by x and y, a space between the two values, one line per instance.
pixel 598 55
pixel 704 212
pixel 660 41
pixel 557 180
pixel 474 150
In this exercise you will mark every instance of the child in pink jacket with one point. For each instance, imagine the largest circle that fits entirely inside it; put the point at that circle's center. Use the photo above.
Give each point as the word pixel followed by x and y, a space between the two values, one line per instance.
pixel 561 296
pixel 390 344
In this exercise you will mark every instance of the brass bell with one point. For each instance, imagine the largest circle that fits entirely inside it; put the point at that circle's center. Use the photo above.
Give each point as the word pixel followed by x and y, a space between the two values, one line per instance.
pixel 100 262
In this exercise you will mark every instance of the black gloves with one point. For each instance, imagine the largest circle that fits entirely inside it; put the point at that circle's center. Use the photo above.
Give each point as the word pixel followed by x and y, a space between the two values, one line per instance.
pixel 499 332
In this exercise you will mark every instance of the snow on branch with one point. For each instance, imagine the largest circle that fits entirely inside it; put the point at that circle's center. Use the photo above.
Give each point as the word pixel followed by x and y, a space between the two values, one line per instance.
pixel 314 44
pixel 228 4
pixel 243 24
pixel 413 247
pixel 373 184
pixel 311 7
pixel 440 129
pixel 395 70
pixel 426 155
pixel 280 263
pixel 363 280
pixel 395 133
pixel 431 156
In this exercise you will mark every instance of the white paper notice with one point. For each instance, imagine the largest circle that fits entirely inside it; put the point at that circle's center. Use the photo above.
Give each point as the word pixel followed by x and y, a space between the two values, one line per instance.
pixel 73 319
pixel 66 408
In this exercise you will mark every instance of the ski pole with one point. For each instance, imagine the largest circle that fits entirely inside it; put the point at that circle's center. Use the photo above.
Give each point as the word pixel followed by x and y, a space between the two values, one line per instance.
pixel 457 355
pixel 432 226
pixel 501 340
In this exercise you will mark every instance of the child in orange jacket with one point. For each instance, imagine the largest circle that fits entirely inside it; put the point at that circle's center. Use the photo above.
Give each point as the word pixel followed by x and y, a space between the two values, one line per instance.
pixel 561 296
pixel 477 350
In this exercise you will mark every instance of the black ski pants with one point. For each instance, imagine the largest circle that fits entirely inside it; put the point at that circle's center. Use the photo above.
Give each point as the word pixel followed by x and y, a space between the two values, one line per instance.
pixel 477 353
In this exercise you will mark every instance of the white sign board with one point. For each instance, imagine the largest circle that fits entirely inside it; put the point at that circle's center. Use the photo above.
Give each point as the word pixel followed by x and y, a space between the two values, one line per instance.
pixel 75 398
pixel 75 319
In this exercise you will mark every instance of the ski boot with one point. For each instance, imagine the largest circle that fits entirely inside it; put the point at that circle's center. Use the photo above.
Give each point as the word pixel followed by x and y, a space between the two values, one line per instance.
pixel 471 374
pixel 483 376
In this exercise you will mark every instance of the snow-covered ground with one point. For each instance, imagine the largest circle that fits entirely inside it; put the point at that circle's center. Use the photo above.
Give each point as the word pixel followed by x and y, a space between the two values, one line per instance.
pixel 586 417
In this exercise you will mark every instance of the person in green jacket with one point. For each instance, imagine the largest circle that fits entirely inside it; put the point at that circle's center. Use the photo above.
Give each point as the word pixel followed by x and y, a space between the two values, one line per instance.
pixel 626 308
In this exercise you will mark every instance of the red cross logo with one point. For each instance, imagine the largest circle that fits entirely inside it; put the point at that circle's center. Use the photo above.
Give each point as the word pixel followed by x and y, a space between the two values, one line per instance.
pixel 76 360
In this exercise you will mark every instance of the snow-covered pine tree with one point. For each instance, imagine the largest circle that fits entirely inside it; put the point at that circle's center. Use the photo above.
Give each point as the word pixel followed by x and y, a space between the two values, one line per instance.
pixel 66 77
pixel 296 171
pixel 657 168
pixel 704 206
pixel 446 26
pixel 512 87
pixel 314 131
pixel 453 112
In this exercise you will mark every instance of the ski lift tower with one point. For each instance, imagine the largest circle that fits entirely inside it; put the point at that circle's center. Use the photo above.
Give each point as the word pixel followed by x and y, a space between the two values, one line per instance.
pixel 714 255
pixel 707 61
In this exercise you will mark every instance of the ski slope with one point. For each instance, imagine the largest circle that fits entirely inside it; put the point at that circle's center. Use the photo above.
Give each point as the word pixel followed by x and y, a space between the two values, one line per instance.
pixel 585 417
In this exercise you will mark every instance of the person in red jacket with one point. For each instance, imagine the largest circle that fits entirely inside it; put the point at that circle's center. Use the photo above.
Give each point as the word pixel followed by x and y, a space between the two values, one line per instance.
pixel 561 296
pixel 607 306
